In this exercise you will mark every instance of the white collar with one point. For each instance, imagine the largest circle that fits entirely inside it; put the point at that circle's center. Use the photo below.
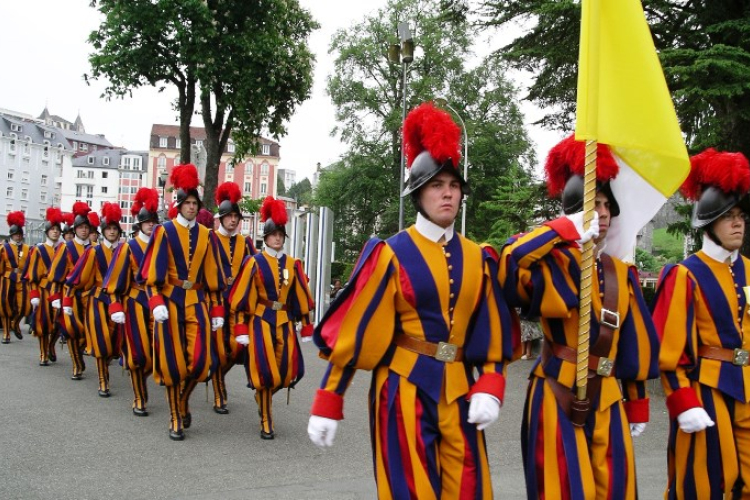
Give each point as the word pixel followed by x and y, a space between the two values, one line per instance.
pixel 109 245
pixel 81 242
pixel 184 222
pixel 141 236
pixel 51 243
pixel 224 232
pixel 432 231
pixel 273 253
pixel 17 243
pixel 717 252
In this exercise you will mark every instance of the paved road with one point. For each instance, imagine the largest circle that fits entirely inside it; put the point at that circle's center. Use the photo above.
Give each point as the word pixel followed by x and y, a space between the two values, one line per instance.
pixel 60 440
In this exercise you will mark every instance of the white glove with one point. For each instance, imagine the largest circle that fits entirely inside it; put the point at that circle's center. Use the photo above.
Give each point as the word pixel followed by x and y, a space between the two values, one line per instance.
pixel 68 310
pixel 160 314
pixel 694 420
pixel 322 430
pixel 637 429
pixel 217 323
pixel 35 302
pixel 243 339
pixel 118 317
pixel 585 235
pixel 483 410
pixel 56 303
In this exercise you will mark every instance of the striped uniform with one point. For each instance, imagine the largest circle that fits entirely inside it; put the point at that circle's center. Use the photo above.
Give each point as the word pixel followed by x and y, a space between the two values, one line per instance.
pixel 71 327
pixel 232 253
pixel 423 447
pixel 703 302
pixel 181 271
pixel 274 359
pixel 102 335
pixel 540 271
pixel 128 295
pixel 14 291
pixel 43 317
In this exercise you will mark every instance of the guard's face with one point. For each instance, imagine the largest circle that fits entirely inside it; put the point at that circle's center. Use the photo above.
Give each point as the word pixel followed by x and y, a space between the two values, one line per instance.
pixel 69 236
pixel 440 198
pixel 189 208
pixel 601 205
pixel 147 227
pixel 230 222
pixel 112 233
pixel 275 240
pixel 18 237
pixel 93 237
pixel 83 232
pixel 729 229
pixel 54 233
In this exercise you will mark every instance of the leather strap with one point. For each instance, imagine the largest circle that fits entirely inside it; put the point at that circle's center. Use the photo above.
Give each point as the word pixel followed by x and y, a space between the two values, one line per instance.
pixel 724 354
pixel 185 284
pixel 569 354
pixel 272 304
pixel 431 349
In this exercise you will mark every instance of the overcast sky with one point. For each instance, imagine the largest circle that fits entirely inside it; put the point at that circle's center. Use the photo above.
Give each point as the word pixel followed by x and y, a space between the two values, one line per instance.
pixel 44 55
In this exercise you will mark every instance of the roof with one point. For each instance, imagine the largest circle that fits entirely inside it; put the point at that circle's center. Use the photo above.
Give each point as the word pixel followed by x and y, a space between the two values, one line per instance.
pixel 33 130
pixel 198 133
pixel 97 139
pixel 114 156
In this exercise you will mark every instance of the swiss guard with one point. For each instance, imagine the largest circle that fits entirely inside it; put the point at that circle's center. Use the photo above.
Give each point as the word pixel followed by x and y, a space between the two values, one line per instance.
pixel 14 291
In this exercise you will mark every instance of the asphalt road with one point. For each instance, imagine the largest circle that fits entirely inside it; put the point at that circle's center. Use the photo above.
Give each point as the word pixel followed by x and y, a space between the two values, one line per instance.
pixel 60 440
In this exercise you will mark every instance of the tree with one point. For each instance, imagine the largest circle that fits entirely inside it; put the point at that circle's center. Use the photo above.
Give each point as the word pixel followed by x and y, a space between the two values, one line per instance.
pixel 247 62
pixel 301 191
pixel 280 188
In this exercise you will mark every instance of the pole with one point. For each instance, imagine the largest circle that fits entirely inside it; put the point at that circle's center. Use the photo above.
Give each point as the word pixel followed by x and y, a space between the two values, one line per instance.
pixel 403 154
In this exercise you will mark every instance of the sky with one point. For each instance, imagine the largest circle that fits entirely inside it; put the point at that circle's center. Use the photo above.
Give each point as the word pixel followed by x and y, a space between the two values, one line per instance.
pixel 44 54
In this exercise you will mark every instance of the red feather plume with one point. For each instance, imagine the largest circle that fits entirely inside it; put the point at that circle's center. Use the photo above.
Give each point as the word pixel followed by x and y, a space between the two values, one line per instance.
pixel 94 219
pixel 69 218
pixel 427 128
pixel 568 157
pixel 54 216
pixel 172 213
pixel 274 210
pixel 185 177
pixel 81 208
pixel 228 191
pixel 16 219
pixel 729 172
pixel 145 197
pixel 112 213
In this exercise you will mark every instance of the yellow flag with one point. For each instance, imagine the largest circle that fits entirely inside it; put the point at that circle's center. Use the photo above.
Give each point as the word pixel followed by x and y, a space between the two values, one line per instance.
pixel 623 100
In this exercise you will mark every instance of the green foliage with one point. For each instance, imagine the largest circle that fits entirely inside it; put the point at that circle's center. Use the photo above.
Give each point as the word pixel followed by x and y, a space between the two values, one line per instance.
pixel 249 205
pixel 647 262
pixel 667 245
pixel 337 271
pixel 280 188
pixel 301 191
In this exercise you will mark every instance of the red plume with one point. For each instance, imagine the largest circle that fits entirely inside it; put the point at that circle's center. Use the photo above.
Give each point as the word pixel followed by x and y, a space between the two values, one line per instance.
pixel 54 216
pixel 136 207
pixel 81 208
pixel 273 209
pixel 228 191
pixel 567 158
pixel 172 213
pixel 69 218
pixel 94 219
pixel 729 172
pixel 145 197
pixel 16 219
pixel 184 177
pixel 428 128
pixel 112 213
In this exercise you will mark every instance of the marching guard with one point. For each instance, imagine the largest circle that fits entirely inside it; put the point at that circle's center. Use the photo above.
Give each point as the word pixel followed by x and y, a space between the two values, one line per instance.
pixel 14 291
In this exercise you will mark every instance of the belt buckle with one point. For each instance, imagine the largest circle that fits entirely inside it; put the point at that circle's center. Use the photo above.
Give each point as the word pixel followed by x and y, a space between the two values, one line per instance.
pixel 187 284
pixel 446 352
pixel 605 366
pixel 741 357
pixel 276 306
pixel 230 280
pixel 610 319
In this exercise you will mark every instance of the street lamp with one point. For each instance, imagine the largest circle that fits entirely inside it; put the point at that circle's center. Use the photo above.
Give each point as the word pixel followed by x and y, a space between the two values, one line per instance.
pixel 163 175
pixel 402 54
pixel 443 103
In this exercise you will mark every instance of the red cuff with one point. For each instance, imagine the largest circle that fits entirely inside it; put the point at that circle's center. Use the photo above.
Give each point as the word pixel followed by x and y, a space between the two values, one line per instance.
pixel 306 331
pixel 115 307
pixel 217 312
pixel 563 227
pixel 53 297
pixel 682 400
pixel 490 383
pixel 154 301
pixel 328 404
pixel 67 302
pixel 34 294
pixel 637 410
pixel 240 329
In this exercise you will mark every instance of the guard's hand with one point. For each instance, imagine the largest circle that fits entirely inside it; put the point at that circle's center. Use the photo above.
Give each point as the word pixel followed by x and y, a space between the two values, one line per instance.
pixel 68 310
pixel 322 430
pixel 585 235
pixel 483 410
pixel 217 323
pixel 35 302
pixel 243 339
pixel 637 429
pixel 56 303
pixel 694 420
pixel 118 317
pixel 161 314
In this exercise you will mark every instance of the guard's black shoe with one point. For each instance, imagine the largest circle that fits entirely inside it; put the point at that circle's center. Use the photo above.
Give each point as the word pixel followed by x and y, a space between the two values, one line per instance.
pixel 18 334
pixel 140 412
pixel 44 363
pixel 187 420
pixel 77 376
pixel 52 356
pixel 267 435
pixel 104 393
pixel 6 341
pixel 176 435
pixel 221 410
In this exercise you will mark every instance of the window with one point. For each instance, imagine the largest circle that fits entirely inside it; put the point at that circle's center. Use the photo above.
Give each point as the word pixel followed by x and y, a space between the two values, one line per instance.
pixel 9 192
pixel 27 146
pixel 75 146
pixel 83 191
pixel 161 162
pixel 105 174
pixel 25 177
pixel 10 175
pixel 90 160
pixel 9 207
pixel 45 154
pixel 230 147
pixel 44 180
pixel 104 189
pixel 42 213
pixel 84 146
pixel 49 135
pixel 162 142
pixel 263 188
pixel 43 197
pixel 24 194
pixel 105 160
pixel 80 174
pixel 266 149
pixel 12 147
pixel 90 174
pixel 177 143
pixel 15 127
pixel 123 204
pixel 248 187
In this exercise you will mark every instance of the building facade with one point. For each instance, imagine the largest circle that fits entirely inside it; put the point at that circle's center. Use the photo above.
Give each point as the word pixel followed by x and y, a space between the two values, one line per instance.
pixel 81 142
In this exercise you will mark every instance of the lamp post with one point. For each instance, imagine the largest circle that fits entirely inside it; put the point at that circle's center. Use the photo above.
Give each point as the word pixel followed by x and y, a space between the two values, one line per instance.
pixel 163 175
pixel 443 103
pixel 402 54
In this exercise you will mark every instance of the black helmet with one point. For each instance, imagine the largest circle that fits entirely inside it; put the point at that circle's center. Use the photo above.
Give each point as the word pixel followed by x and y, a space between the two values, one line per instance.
pixel 227 196
pixel 226 207
pixel 572 196
pixel 424 167
pixel 714 203
pixel 145 216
